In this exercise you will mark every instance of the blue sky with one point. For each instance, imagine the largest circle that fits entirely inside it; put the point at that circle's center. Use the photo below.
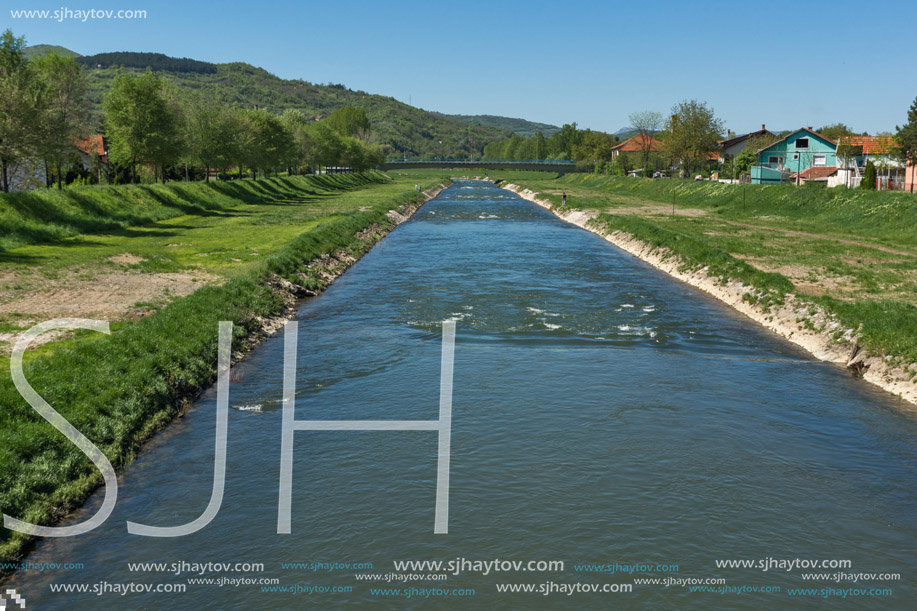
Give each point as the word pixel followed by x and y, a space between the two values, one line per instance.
pixel 783 64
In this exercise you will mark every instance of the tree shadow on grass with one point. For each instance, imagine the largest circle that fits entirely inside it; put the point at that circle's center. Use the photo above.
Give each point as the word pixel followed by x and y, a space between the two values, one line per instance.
pixel 15 258
pixel 43 216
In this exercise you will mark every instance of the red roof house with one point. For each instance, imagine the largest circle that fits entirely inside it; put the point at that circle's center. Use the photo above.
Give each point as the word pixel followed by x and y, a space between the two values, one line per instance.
pixel 92 145
pixel 636 145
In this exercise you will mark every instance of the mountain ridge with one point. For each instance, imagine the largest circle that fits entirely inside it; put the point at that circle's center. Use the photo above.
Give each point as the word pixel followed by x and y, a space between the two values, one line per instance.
pixel 400 129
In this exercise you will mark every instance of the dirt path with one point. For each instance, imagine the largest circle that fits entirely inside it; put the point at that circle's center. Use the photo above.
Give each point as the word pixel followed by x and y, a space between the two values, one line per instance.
pixel 815 236
pixel 655 208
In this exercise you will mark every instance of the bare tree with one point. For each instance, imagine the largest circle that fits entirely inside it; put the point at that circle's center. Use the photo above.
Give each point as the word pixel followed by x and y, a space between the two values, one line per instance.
pixel 647 123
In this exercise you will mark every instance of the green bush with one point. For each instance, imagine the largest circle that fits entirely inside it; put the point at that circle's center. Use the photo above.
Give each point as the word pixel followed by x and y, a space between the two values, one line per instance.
pixel 869 177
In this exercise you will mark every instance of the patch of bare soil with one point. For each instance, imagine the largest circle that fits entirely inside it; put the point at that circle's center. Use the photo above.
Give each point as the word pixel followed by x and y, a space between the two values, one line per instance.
pixel 808 280
pixel 646 208
pixel 109 295
pixel 126 258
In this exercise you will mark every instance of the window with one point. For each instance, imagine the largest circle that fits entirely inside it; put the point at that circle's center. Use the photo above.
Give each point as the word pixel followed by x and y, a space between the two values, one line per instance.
pixel 819 160
pixel 802 143
pixel 775 160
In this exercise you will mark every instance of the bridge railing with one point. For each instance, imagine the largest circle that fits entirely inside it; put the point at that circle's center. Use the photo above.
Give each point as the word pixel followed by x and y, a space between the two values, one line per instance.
pixel 479 160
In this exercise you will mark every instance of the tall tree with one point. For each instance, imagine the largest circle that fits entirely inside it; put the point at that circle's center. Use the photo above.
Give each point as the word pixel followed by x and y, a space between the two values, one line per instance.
pixel 272 145
pixel 67 119
pixel 327 145
pixel 144 121
pixel 595 147
pixel 693 132
pixel 647 123
pixel 298 123
pixel 349 121
pixel 541 147
pixel 906 138
pixel 23 104
pixel 569 137
pixel 837 131
pixel 214 133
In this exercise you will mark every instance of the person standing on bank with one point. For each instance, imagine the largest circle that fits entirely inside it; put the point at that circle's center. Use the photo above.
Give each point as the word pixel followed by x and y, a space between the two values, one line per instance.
pixel 563 199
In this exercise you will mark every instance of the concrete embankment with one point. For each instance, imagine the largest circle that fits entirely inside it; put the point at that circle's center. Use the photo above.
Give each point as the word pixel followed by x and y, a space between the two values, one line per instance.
pixel 801 322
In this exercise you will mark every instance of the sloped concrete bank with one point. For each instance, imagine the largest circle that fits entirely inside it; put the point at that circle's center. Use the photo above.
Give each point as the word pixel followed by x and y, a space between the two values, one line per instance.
pixel 801 322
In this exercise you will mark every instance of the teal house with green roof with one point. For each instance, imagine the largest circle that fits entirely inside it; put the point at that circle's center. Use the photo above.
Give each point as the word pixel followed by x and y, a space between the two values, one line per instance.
pixel 799 151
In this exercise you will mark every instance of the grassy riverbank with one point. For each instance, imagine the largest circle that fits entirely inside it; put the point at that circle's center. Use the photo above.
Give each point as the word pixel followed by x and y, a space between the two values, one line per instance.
pixel 122 262
pixel 851 252
pixel 119 389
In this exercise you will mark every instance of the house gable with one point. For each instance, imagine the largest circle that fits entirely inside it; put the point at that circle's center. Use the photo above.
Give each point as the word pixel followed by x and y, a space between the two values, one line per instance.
pixel 799 150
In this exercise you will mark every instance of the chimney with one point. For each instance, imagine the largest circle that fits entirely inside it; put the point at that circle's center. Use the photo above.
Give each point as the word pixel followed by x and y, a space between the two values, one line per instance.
pixel 809 128
pixel 762 127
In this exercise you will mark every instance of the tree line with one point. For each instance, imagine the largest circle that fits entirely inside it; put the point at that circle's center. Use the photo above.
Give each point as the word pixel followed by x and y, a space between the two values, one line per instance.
pixel 43 108
pixel 570 143
pixel 152 129
pixel 685 138
pixel 688 135
pixel 143 61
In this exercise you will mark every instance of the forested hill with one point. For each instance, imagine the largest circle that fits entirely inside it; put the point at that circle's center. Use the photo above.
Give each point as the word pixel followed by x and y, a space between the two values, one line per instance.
pixel 400 129
pixel 39 50
pixel 155 61
pixel 517 126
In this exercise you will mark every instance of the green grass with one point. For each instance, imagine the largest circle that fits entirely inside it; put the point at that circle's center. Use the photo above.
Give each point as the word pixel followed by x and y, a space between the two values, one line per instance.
pixel 885 325
pixel 47 215
pixel 120 388
pixel 699 252
pixel 852 252
pixel 887 216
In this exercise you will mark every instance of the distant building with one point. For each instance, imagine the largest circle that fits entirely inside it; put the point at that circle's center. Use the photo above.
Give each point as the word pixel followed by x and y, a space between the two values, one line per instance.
pixel 791 155
pixel 730 147
pixel 823 173
pixel 93 152
pixel 636 145
pixel 92 145
pixel 854 152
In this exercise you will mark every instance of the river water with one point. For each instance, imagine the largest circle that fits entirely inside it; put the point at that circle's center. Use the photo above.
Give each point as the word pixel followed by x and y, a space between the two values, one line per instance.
pixel 602 414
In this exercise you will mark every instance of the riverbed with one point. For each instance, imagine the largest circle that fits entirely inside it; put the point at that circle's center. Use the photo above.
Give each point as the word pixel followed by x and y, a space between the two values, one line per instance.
pixel 602 414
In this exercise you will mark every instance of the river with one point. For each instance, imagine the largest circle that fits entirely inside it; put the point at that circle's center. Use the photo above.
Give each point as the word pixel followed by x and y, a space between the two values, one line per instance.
pixel 602 414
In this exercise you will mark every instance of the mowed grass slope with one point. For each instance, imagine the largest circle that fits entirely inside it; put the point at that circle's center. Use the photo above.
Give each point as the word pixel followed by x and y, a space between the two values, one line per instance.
pixel 852 251
pixel 116 244
pixel 45 215
pixel 117 389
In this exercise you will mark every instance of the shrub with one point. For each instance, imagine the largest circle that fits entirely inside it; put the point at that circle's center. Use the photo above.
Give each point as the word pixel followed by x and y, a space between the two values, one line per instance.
pixel 869 177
